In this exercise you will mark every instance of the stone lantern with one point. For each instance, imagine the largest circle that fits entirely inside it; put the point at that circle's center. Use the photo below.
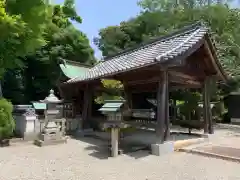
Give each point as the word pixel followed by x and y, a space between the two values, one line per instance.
pixel 113 110
pixel 54 125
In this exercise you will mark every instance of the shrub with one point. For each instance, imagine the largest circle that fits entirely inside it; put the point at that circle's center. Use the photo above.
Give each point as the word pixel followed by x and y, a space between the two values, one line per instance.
pixel 7 123
pixel 226 118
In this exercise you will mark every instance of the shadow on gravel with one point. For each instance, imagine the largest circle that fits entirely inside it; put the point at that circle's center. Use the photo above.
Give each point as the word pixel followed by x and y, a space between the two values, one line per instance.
pixel 100 147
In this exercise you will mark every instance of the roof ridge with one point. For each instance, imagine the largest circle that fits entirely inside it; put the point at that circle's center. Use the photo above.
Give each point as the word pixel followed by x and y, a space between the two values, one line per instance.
pixel 176 33
pixel 158 58
pixel 79 64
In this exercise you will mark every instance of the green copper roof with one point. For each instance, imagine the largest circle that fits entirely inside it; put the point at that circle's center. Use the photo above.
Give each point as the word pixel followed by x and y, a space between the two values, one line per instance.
pixel 72 69
pixel 112 106
pixel 39 106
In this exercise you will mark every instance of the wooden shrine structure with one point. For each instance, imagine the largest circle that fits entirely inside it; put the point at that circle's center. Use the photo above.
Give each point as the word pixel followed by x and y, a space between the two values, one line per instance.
pixel 184 59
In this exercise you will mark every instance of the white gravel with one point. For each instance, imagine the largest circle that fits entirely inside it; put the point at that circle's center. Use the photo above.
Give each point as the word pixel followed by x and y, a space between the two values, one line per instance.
pixel 78 160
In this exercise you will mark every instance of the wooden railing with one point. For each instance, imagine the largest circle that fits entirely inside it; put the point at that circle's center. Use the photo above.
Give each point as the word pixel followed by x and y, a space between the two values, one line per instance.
pixel 142 118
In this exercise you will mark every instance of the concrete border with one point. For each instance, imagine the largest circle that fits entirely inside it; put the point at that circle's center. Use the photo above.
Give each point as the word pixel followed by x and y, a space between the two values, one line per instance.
pixel 208 154
pixel 227 126
pixel 188 142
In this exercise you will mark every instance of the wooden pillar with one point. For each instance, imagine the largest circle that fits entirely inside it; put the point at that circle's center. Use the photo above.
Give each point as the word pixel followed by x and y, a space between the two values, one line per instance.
pixel 61 92
pixel 174 110
pixel 208 125
pixel 128 95
pixel 91 101
pixel 167 120
pixel 128 98
pixel 86 102
pixel 162 99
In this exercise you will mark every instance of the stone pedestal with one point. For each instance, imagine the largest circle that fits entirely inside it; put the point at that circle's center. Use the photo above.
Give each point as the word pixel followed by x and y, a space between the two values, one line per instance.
pixel 30 133
pixel 162 149
pixel 210 137
pixel 25 124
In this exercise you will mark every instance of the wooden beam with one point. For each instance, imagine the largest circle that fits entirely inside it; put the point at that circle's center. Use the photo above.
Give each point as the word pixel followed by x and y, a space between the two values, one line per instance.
pixel 143 81
pixel 153 87
pixel 194 66
pixel 216 65
pixel 182 75
pixel 184 81
pixel 180 78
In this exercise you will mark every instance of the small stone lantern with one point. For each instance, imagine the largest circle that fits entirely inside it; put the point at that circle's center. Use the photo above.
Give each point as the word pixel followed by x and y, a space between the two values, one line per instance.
pixel 53 131
pixel 113 110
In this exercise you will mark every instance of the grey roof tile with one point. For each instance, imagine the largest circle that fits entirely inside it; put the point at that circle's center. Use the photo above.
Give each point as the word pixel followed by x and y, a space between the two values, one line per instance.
pixel 158 51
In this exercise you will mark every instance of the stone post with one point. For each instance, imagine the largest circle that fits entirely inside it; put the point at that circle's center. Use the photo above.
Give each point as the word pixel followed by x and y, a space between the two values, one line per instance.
pixel 114 141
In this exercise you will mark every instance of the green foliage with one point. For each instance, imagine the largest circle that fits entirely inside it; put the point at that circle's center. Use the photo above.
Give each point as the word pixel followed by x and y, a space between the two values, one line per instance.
pixel 113 91
pixel 22 26
pixel 40 70
pixel 13 87
pixel 190 104
pixel 112 84
pixel 7 124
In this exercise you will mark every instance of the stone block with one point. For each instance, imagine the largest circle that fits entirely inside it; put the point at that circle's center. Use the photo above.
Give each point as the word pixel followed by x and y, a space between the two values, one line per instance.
pixel 235 120
pixel 41 143
pixel 30 136
pixel 162 149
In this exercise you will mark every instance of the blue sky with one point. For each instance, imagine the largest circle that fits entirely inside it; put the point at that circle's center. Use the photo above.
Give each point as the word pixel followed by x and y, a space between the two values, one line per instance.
pixel 99 14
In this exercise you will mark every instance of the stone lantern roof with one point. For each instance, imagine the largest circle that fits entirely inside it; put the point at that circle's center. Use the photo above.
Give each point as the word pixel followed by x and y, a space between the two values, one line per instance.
pixel 51 98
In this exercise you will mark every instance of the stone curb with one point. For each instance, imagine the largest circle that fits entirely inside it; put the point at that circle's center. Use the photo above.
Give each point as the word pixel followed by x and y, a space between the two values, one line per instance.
pixel 185 143
pixel 228 126
pixel 208 154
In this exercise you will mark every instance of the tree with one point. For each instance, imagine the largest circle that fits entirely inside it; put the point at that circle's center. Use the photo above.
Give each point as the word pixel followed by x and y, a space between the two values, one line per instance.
pixel 63 41
pixel 113 91
pixel 163 5
pixel 21 30
pixel 22 26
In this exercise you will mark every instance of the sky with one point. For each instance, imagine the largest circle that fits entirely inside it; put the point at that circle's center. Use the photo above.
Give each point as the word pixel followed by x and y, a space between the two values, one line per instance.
pixel 97 14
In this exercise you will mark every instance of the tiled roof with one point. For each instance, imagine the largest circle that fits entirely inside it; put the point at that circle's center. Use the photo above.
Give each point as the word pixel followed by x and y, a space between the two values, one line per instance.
pixel 157 51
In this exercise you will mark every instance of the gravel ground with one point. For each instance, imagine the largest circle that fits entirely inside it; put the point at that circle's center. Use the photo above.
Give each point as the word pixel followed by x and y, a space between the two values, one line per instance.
pixel 78 160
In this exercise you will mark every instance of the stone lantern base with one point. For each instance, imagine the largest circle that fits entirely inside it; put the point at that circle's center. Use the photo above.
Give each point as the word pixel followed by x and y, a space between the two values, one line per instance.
pixel 50 136
pixel 45 140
